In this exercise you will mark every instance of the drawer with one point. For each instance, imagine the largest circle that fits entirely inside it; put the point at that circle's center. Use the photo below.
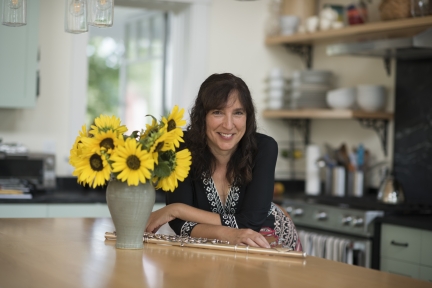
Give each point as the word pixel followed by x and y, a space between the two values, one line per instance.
pixel 426 273
pixel 400 268
pixel 401 243
pixel 426 248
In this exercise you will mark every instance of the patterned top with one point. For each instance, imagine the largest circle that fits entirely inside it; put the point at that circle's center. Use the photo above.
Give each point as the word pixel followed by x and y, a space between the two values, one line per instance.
pixel 246 207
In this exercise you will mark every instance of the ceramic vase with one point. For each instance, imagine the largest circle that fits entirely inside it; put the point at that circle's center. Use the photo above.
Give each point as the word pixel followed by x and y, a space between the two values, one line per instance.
pixel 130 208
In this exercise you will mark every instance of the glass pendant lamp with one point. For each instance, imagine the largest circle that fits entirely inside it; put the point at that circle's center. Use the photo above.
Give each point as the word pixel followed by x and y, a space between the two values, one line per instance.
pixel 101 13
pixel 14 12
pixel 76 16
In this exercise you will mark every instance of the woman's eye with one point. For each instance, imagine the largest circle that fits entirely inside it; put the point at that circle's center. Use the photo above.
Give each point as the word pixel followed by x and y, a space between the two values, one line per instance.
pixel 239 113
pixel 216 112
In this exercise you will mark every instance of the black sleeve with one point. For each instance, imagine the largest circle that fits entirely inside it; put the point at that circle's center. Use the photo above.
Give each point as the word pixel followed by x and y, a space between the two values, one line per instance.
pixel 259 192
pixel 183 194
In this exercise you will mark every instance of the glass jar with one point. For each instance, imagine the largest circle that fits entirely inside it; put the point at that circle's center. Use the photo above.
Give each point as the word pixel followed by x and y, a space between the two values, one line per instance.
pixel 420 8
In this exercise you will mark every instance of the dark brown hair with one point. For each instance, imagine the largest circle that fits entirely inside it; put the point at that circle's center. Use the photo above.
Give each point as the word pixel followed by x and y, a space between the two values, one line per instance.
pixel 213 94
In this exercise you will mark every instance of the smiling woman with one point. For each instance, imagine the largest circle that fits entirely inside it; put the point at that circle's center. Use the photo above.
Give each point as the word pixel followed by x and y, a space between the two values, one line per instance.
pixel 228 193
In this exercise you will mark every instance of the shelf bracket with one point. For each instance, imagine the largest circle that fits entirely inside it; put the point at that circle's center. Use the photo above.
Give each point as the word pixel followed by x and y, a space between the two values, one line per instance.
pixel 380 126
pixel 304 51
pixel 387 65
pixel 303 126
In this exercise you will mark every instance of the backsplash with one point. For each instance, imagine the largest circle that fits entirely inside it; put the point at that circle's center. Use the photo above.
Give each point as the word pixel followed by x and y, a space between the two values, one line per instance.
pixel 413 130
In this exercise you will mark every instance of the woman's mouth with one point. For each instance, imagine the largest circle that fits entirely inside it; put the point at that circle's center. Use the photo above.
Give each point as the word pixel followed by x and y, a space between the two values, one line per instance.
pixel 224 135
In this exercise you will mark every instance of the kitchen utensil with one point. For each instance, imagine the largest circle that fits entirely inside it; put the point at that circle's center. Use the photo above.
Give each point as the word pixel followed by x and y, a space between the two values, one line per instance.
pixel 338 185
pixel 313 180
pixel 391 192
pixel 289 24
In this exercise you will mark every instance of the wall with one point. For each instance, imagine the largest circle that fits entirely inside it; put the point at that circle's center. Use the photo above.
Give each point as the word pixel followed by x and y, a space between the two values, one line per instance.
pixel 237 46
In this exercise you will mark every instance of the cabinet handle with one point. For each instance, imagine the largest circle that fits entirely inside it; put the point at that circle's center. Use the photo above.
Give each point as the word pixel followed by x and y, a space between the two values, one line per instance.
pixel 399 244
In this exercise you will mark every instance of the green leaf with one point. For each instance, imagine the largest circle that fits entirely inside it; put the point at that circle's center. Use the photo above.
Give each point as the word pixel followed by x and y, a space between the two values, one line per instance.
pixel 162 169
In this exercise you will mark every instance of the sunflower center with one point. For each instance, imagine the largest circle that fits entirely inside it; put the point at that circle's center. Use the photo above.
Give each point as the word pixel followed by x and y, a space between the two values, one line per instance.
pixel 171 125
pixel 96 162
pixel 133 162
pixel 107 143
pixel 159 146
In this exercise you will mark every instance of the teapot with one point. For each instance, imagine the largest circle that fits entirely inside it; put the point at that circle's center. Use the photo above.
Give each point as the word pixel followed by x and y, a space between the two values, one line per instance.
pixel 390 191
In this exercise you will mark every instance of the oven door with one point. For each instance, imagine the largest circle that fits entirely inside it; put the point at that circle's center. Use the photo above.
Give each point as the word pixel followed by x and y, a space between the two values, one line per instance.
pixel 337 247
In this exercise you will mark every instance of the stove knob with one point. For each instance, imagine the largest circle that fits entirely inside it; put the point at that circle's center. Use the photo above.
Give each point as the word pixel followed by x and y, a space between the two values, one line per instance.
pixel 346 220
pixel 321 216
pixel 298 212
pixel 289 209
pixel 357 222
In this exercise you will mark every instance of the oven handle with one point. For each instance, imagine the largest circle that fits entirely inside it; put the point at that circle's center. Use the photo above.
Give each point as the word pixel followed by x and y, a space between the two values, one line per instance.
pixel 399 244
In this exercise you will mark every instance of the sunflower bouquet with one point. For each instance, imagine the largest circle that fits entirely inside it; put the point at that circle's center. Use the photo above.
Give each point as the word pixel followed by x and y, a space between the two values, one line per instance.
pixel 105 152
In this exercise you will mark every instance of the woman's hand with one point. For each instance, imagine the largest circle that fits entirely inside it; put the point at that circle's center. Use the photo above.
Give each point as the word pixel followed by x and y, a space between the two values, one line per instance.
pixel 159 218
pixel 247 237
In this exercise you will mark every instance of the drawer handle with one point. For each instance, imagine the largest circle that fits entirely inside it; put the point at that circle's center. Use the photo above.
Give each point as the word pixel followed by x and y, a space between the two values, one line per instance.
pixel 399 244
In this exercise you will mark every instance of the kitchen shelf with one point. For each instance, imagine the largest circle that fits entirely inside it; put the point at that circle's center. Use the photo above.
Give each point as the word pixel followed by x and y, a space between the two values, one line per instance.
pixel 384 29
pixel 300 119
pixel 326 114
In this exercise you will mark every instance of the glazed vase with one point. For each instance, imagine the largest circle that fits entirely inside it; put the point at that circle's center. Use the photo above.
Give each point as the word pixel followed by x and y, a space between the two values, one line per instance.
pixel 130 207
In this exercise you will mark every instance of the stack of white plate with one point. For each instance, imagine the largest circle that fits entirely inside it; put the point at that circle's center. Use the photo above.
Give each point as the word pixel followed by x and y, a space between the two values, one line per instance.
pixel 309 89
pixel 277 89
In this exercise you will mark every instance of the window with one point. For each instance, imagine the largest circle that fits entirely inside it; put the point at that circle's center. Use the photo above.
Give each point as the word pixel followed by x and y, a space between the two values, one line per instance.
pixel 127 68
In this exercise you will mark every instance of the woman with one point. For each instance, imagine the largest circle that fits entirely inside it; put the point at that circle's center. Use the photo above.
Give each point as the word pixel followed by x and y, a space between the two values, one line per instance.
pixel 228 193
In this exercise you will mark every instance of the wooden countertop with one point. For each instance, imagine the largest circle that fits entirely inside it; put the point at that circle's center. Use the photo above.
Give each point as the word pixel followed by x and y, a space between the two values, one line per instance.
pixel 73 253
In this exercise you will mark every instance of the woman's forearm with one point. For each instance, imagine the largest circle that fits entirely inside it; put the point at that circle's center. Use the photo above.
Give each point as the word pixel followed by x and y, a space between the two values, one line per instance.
pixel 192 214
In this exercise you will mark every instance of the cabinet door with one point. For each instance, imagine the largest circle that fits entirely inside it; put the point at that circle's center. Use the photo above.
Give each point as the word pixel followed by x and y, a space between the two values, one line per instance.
pixel 426 249
pixel 400 243
pixel 19 60
pixel 400 268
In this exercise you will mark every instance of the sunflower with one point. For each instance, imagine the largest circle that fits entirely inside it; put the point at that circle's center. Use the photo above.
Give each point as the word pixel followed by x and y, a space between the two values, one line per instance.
pixel 104 123
pixel 179 172
pixel 93 169
pixel 150 129
pixel 161 144
pixel 103 141
pixel 132 163
pixel 173 123
pixel 76 150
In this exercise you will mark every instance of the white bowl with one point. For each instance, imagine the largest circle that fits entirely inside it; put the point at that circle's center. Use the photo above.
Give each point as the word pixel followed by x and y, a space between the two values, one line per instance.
pixel 371 98
pixel 275 103
pixel 276 93
pixel 342 98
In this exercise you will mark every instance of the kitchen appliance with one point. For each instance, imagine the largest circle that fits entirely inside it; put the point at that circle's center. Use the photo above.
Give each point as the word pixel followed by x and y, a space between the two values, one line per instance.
pixel 339 233
pixel 390 191
pixel 38 169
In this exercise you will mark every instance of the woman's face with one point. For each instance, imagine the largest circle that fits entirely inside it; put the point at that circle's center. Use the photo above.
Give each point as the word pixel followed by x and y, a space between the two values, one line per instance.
pixel 225 127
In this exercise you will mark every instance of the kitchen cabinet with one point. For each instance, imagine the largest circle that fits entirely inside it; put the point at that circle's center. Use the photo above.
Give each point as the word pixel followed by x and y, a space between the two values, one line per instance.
pixel 406 251
pixel 19 61
pixel 58 210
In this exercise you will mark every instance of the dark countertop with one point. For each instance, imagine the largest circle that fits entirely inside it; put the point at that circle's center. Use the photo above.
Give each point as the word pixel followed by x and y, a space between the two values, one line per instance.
pixel 68 191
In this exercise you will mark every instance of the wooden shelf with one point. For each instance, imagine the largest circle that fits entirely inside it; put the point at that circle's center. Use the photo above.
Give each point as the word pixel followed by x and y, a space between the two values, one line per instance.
pixel 326 114
pixel 385 29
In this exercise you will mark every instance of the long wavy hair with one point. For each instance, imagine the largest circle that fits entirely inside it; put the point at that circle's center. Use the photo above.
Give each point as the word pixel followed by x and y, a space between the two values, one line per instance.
pixel 213 94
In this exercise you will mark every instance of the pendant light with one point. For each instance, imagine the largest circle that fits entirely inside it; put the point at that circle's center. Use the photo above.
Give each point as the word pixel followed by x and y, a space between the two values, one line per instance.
pixel 14 13
pixel 76 16
pixel 101 13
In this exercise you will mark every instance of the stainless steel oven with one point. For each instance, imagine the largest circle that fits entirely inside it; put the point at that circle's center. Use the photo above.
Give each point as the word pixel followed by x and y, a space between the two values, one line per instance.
pixel 336 233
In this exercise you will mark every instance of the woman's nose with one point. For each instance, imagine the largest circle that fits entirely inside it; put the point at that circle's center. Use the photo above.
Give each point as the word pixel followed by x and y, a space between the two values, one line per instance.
pixel 228 122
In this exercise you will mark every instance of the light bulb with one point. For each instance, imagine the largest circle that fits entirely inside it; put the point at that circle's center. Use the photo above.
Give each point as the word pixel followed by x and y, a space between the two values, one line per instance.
pixel 15 4
pixel 103 4
pixel 76 7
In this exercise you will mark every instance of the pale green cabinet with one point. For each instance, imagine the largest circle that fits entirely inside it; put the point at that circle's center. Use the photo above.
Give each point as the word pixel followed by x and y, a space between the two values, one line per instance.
pixel 19 61
pixel 406 251
pixel 58 210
